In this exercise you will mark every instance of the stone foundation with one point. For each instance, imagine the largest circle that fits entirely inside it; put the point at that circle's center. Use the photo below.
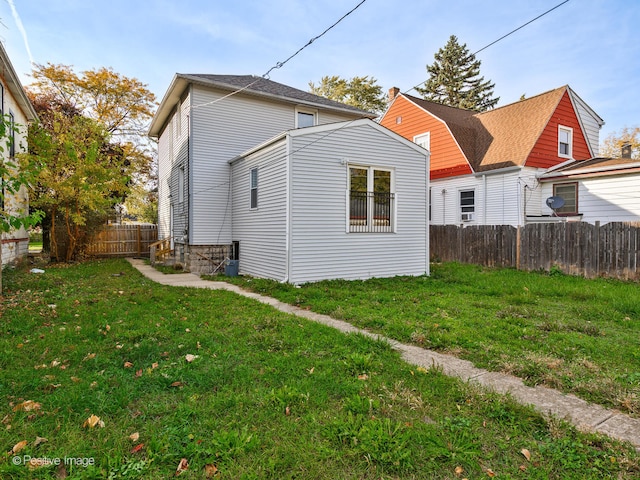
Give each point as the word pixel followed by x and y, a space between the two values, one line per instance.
pixel 203 259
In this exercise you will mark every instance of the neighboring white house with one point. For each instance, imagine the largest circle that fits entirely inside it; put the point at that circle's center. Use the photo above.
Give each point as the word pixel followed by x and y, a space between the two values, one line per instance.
pixel 344 200
pixel 17 110
pixel 596 190
pixel 205 121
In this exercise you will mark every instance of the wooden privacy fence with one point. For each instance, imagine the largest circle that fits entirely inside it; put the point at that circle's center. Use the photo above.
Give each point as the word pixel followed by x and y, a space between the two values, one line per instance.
pixel 122 241
pixel 577 248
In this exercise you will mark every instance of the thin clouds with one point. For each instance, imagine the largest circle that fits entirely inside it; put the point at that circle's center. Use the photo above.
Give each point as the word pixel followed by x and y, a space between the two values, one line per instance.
pixel 21 28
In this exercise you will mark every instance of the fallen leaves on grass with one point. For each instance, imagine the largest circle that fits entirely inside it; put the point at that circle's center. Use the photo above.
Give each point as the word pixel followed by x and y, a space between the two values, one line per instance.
pixel 182 466
pixel 134 436
pixel 210 470
pixel 93 421
pixel 177 384
pixel 137 448
pixel 526 454
pixel 27 406
pixel 39 440
pixel 190 358
pixel 19 446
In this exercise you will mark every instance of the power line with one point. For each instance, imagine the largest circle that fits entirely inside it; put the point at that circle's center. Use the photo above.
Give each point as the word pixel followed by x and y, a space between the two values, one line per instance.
pixel 502 37
pixel 521 26
pixel 281 64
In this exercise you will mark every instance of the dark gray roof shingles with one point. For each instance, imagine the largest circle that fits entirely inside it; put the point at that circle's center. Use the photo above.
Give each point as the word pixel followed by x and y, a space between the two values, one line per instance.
pixel 265 86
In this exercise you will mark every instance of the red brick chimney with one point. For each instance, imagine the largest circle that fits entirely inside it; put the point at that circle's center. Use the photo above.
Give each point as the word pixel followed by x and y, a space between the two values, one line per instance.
pixel 393 93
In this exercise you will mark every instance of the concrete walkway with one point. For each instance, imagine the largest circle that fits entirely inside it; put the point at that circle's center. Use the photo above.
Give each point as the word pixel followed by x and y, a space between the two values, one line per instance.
pixel 585 416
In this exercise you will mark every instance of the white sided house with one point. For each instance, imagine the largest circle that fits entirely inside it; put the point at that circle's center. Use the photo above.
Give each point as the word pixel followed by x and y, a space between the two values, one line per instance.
pixel 599 190
pixel 205 121
pixel 344 200
pixel 17 111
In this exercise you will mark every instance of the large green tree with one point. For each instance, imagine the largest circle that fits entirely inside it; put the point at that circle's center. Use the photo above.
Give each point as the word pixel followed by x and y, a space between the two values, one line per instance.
pixel 454 79
pixel 83 176
pixel 361 92
pixel 92 140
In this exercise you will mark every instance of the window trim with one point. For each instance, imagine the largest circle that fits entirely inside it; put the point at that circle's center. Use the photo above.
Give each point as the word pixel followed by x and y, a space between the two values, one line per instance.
pixel 306 111
pixel 421 136
pixel 576 195
pixel 569 131
pixel 12 134
pixel 253 188
pixel 370 226
pixel 461 207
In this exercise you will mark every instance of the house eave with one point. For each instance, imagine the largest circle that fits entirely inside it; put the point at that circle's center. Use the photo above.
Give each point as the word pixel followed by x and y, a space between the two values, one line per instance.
pixel 591 172
pixel 15 87
pixel 181 81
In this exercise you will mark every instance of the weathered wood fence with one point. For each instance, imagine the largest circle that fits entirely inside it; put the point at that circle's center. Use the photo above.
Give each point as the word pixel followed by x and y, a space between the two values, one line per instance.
pixel 577 248
pixel 122 241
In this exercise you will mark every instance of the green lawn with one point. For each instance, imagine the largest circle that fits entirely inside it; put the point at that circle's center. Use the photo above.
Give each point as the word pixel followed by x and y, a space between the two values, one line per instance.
pixel 576 335
pixel 241 391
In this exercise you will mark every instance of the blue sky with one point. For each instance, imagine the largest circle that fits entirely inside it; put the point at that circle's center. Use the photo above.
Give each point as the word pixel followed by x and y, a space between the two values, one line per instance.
pixel 591 45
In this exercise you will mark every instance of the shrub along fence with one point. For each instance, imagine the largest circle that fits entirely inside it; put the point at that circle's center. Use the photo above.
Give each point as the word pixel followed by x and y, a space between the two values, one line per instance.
pixel 577 248
pixel 122 241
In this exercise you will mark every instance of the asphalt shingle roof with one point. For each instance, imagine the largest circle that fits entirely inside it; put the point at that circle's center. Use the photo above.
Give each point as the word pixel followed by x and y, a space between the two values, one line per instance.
pixel 263 86
pixel 501 137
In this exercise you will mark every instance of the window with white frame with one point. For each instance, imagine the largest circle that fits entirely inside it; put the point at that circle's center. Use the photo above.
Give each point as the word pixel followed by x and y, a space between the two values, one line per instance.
pixel 371 200
pixel 565 142
pixel 569 193
pixel 467 205
pixel 424 140
pixel 306 117
pixel 253 189
pixel 181 184
pixel 12 134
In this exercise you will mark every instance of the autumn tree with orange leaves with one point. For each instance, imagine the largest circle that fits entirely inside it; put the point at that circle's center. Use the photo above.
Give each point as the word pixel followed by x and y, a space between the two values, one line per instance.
pixel 92 141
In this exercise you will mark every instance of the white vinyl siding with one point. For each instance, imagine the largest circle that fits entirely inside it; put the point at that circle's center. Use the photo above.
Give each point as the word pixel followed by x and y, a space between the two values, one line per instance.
pixel 612 198
pixel 590 123
pixel 321 246
pixel 220 132
pixel 261 232
pixel 499 198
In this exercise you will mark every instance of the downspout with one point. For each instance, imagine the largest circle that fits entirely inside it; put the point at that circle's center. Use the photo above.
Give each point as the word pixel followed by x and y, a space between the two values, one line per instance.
pixel 287 227
pixel 484 199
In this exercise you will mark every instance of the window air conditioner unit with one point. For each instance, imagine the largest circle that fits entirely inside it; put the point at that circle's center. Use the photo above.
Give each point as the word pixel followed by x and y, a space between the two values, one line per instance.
pixel 467 217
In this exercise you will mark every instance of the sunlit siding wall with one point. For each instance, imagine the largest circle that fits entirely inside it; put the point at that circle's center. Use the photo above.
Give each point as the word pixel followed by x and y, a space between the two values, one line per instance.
pixel 589 122
pixel 321 246
pixel 500 198
pixel 612 198
pixel 261 231
pixel 222 131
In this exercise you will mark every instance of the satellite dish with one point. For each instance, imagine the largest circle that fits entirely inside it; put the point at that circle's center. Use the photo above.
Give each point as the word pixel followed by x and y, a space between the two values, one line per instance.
pixel 555 203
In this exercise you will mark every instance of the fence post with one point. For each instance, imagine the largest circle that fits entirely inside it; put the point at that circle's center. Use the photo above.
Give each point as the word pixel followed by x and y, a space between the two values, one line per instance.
pixel 139 241
pixel 518 248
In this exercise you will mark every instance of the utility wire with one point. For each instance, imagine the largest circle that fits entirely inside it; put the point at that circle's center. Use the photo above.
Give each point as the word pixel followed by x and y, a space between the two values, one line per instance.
pixel 281 64
pixel 501 38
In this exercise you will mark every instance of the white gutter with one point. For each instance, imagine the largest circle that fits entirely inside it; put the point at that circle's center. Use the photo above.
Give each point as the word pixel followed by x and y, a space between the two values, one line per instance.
pixel 497 171
pixel 548 175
